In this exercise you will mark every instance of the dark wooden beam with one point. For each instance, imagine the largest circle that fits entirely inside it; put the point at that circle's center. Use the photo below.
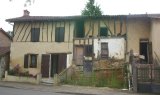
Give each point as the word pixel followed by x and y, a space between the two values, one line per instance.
pixel 52 32
pixel 64 30
pixel 69 35
pixel 98 28
pixel 25 32
pixel 13 32
pixel 114 26
pixel 107 27
pixel 47 31
pixel 29 31
pixel 121 25
pixel 21 30
pixel 16 30
pixel 42 31
pixel 90 28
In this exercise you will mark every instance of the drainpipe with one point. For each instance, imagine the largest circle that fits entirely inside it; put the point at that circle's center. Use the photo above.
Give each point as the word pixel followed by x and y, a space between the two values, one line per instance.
pixel 126 53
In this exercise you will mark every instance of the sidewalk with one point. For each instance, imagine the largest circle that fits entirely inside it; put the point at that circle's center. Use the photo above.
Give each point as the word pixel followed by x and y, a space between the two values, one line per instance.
pixel 67 89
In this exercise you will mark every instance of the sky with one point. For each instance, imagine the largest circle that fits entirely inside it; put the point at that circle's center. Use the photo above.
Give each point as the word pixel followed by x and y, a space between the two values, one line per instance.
pixel 73 7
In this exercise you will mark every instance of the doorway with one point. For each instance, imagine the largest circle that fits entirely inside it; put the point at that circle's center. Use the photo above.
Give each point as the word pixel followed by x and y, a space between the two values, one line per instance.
pixel 144 50
pixel 52 64
pixel 78 55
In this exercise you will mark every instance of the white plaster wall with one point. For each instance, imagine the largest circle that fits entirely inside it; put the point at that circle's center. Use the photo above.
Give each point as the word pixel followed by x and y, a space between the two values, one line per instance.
pixel 116 47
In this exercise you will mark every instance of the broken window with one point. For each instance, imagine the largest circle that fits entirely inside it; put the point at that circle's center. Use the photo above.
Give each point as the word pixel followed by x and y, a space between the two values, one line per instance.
pixel 79 30
pixel 103 32
pixel 59 35
pixel 30 61
pixel 88 50
pixel 35 32
pixel 104 50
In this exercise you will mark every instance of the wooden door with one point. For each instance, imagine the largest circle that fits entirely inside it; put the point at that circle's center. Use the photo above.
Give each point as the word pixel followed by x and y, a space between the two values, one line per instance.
pixel 78 55
pixel 45 65
pixel 62 62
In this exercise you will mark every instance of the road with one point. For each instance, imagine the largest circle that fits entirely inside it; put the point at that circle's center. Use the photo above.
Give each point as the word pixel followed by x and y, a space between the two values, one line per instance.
pixel 14 88
pixel 15 91
pixel 21 91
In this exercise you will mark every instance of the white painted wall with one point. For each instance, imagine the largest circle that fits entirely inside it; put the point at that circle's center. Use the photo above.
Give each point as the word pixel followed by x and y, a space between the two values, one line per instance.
pixel 116 47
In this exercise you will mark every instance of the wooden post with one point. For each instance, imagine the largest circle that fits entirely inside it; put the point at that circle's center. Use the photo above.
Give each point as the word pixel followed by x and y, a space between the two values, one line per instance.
pixel 134 71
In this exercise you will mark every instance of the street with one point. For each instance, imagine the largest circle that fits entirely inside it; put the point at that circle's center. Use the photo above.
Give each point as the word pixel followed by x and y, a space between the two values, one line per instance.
pixel 21 91
pixel 15 91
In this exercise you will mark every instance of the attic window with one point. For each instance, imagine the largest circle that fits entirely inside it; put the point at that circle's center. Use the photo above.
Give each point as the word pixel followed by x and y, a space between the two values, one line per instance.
pixel 103 32
pixel 79 31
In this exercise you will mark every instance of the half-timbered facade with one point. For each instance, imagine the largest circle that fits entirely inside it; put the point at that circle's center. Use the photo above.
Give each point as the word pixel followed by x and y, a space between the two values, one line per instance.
pixel 49 44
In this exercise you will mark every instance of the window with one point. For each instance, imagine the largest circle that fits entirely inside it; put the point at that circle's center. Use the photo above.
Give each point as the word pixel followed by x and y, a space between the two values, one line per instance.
pixel 88 50
pixel 33 61
pixel 59 35
pixel 104 50
pixel 30 61
pixel 79 31
pixel 103 32
pixel 35 32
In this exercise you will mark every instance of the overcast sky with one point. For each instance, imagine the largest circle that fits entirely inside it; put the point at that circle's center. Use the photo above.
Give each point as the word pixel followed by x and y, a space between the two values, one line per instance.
pixel 73 7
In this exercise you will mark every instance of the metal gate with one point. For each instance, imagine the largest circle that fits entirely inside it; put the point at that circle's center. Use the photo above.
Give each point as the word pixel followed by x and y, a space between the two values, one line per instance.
pixel 148 79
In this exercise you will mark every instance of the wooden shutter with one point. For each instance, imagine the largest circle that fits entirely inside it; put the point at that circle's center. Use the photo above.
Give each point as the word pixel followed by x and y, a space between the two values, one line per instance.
pixel 62 62
pixel 45 65
pixel 26 61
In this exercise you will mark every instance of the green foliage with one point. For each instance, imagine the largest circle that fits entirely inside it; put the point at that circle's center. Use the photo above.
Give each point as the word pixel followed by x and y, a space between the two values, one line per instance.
pixel 114 79
pixel 91 9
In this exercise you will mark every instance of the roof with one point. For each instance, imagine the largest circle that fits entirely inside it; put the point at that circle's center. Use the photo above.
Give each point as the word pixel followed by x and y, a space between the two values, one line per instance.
pixel 4 50
pixel 61 18
pixel 56 18
pixel 6 34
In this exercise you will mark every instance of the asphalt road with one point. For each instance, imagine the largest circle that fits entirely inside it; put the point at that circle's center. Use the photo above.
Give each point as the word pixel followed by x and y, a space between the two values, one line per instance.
pixel 27 89
pixel 15 91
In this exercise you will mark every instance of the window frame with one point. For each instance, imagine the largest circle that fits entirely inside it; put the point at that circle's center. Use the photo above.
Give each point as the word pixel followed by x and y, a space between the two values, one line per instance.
pixel 59 37
pixel 103 54
pixel 106 32
pixel 35 34
pixel 28 60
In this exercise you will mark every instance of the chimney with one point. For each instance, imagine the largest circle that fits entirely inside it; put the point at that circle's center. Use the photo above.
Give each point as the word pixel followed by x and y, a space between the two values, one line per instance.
pixel 26 13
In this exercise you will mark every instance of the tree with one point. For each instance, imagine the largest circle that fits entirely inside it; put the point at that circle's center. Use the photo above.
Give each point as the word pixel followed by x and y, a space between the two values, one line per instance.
pixel 91 9
pixel 27 2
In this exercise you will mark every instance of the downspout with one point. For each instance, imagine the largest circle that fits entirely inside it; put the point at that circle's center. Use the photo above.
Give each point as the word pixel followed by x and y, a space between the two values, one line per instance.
pixel 128 67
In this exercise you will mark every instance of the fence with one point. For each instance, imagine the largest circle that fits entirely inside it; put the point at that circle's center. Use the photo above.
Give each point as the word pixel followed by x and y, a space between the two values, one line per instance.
pixel 148 79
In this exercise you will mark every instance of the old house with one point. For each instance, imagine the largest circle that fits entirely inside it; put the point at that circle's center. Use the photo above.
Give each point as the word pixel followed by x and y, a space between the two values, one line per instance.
pixel 5 41
pixel 47 45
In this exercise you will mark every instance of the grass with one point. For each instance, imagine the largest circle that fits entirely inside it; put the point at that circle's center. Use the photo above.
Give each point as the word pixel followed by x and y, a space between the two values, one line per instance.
pixel 98 79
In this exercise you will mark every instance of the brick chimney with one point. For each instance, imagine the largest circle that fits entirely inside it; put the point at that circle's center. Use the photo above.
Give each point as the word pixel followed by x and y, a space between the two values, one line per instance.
pixel 26 13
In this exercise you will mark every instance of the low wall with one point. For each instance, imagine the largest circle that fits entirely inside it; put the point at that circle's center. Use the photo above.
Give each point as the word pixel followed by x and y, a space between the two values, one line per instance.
pixel 22 78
